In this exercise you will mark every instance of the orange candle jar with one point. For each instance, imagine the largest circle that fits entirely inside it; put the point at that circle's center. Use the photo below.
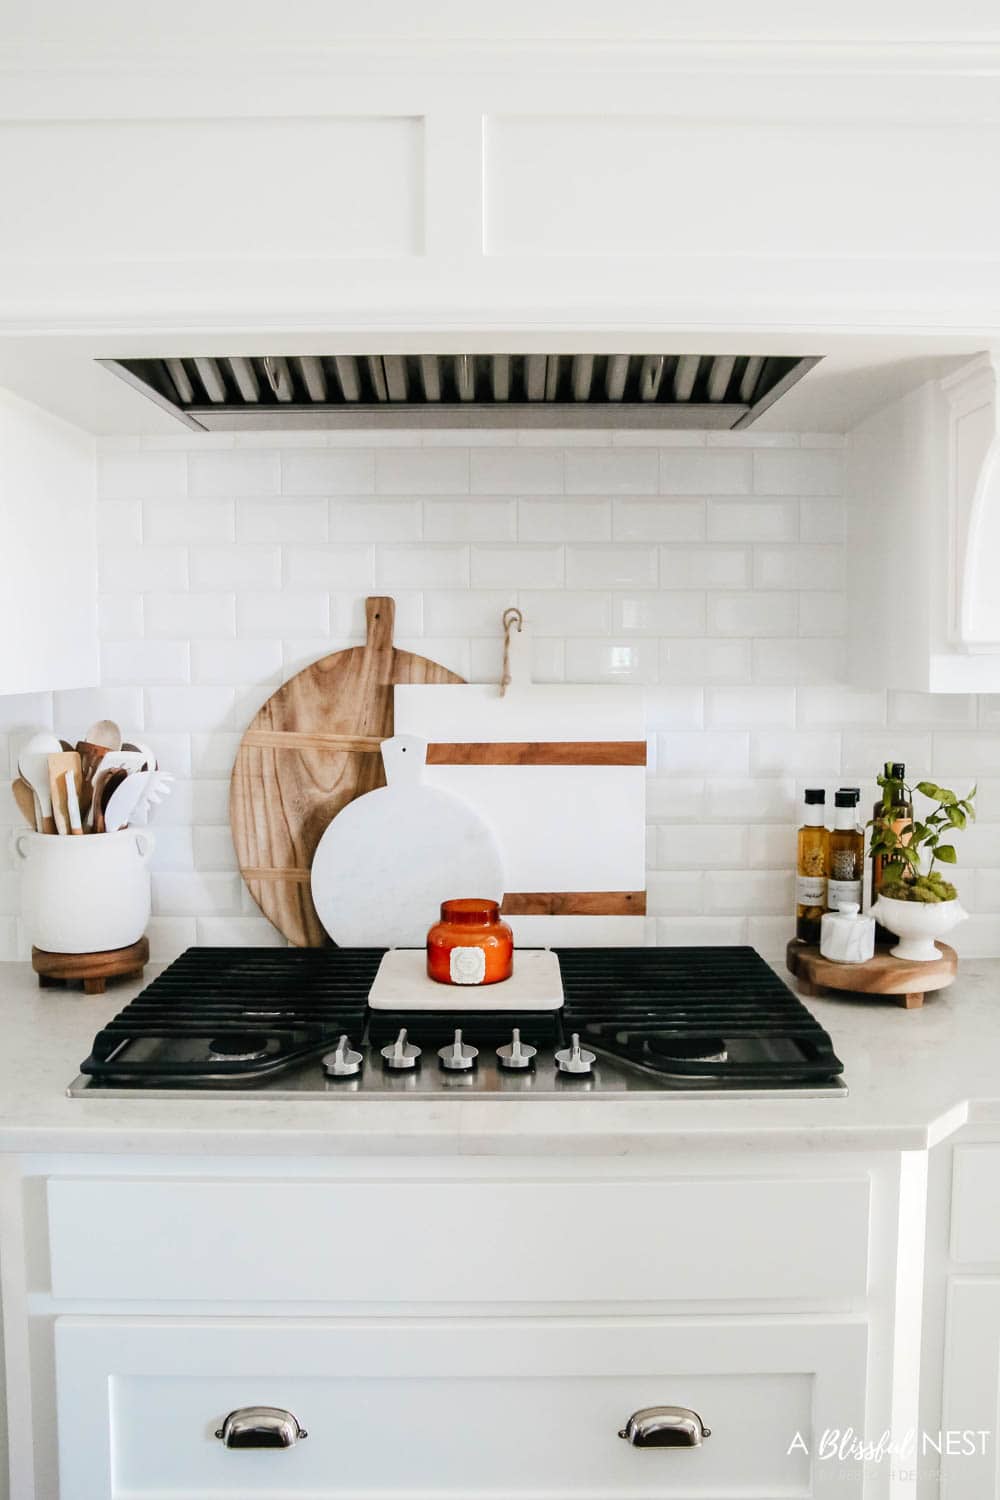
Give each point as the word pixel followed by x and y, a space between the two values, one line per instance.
pixel 470 944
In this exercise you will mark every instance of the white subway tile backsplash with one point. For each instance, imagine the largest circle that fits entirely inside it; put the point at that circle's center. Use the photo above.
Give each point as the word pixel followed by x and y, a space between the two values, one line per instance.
pixel 713 932
pixel 672 614
pixel 806 472
pixel 318 471
pixel 611 661
pixel 823 520
pixel 190 616
pixel 697 846
pixel 840 707
pixel 713 471
pixel 732 892
pixel 705 661
pixel 554 612
pixel 662 520
pixel 375 520
pixel 752 614
pixel 611 567
pixel 721 595
pixel 753 521
pixel 196 708
pixel 435 566
pixel 283 614
pixel 516 471
pixel 583 519
pixel 612 471
pixel 235 567
pixel 704 567
pixel 231 473
pixel 285 521
pixel 422 471
pixel 131 570
pixel 709 753
pixel 238 932
pixel 470 520
pixel 339 566
pixel 236 662
pixel 188 521
pixel 786 753
pixel 138 662
pixel 532 566
pixel 801 567
pixel 751 707
pixel 131 475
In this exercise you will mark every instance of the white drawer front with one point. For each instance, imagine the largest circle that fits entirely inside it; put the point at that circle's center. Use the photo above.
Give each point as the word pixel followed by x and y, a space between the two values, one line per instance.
pixel 474 1241
pixel 485 1408
pixel 975 1205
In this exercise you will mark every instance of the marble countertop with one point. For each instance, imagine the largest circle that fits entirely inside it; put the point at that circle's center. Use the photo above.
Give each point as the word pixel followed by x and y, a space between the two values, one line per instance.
pixel 913 1077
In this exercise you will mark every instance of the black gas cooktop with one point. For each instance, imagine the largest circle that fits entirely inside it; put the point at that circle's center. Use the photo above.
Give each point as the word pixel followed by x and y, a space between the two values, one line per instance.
pixel 645 1020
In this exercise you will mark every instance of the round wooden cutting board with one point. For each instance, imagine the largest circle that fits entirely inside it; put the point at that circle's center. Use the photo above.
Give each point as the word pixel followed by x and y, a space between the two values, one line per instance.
pixel 313 747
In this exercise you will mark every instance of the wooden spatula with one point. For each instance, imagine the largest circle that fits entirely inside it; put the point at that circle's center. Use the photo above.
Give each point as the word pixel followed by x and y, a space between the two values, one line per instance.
pixel 66 760
pixel 25 799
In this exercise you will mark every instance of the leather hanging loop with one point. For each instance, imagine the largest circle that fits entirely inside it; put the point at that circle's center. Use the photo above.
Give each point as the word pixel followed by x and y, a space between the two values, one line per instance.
pixel 511 617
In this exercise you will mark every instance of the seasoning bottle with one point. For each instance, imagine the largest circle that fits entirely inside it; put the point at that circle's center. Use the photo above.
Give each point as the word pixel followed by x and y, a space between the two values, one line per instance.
pixel 847 852
pixel 899 815
pixel 813 867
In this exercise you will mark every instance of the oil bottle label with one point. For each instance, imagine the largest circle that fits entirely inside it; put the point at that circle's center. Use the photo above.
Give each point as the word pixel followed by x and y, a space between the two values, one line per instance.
pixel 810 890
pixel 843 891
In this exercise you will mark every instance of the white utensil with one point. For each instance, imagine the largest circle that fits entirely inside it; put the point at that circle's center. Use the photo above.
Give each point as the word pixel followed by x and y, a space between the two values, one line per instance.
pixel 149 761
pixel 124 760
pixel 159 786
pixel 121 806
pixel 104 732
pixel 72 804
pixel 33 764
pixel 389 859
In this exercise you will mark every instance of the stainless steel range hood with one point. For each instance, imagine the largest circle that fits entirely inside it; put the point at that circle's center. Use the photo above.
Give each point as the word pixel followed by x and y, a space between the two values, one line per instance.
pixel 464 390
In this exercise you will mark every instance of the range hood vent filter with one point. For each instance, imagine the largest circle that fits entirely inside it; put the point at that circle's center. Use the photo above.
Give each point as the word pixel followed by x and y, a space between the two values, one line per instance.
pixel 241 393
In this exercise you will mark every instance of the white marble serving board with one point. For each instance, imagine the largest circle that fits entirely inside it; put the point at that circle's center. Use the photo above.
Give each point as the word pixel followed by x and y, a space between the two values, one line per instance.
pixel 389 858
pixel 402 983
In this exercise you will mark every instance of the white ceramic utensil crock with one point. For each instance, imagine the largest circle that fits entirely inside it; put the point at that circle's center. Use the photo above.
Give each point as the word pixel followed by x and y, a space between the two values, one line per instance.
pixel 85 895
pixel 917 924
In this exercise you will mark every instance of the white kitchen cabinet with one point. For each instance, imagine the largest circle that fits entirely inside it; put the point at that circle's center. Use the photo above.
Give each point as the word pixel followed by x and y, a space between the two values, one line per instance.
pixel 502 1406
pixel 48 556
pixel 970 1420
pixel 923 486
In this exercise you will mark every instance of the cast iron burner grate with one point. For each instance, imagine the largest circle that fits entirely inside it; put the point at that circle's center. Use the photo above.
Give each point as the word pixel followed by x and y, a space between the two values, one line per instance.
pixel 694 1012
pixel 219 1014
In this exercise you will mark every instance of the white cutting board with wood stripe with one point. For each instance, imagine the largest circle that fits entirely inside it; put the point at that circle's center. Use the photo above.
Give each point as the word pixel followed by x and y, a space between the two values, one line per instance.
pixel 559 773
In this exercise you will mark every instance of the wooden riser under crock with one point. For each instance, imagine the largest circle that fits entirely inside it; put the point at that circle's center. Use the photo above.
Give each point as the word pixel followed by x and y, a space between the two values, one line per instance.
pixel 92 970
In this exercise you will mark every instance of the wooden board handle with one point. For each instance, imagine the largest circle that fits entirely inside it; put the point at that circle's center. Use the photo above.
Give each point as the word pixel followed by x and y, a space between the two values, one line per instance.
pixel 380 615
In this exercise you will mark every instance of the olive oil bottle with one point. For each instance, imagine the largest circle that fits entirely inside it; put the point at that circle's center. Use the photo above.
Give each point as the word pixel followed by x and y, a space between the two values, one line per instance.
pixel 812 868
pixel 847 851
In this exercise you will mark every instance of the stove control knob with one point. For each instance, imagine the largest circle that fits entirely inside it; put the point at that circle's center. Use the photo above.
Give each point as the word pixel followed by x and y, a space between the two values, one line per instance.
pixel 516 1056
pixel 345 1062
pixel 458 1057
pixel 574 1058
pixel 401 1056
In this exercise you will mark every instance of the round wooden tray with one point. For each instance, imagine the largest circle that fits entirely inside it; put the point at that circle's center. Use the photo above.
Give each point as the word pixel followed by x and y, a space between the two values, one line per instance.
pixel 93 970
pixel 881 975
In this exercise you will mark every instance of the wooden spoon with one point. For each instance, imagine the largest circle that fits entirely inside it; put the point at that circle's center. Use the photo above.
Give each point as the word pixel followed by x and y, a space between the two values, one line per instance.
pixel 25 799
pixel 105 732
pixel 103 795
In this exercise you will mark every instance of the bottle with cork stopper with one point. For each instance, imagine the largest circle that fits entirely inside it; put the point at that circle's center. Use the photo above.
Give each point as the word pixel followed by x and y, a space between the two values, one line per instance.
pixel 812 867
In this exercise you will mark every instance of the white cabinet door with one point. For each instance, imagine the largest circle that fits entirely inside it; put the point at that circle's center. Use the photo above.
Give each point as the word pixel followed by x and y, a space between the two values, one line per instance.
pixel 455 1410
pixel 48 558
pixel 971 1405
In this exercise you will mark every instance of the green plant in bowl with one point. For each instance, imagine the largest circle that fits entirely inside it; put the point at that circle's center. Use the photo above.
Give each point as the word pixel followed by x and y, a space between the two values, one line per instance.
pixel 909 854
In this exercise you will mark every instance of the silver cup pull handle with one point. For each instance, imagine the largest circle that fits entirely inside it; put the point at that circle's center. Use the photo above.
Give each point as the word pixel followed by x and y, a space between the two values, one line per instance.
pixel 665 1427
pixel 260 1427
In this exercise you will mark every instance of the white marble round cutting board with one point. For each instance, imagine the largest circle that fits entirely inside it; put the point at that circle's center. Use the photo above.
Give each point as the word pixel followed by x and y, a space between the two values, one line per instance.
pixel 388 859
